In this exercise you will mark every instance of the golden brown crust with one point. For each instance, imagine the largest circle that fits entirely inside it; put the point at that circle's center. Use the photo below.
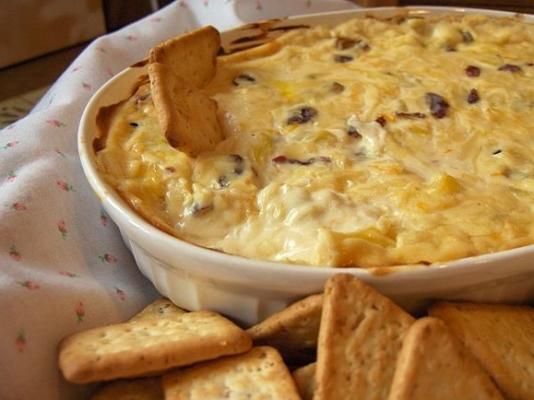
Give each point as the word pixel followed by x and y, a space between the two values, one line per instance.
pixel 433 364
pixel 360 337
pixel 148 345
pixel 260 373
pixel 293 331
pixel 501 338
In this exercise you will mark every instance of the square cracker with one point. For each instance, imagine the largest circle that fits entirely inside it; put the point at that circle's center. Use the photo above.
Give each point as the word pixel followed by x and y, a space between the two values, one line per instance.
pixel 148 345
pixel 360 338
pixel 161 307
pixel 259 374
pixel 292 331
pixel 433 364
pixel 178 69
pixel 305 379
pixel 192 56
pixel 136 389
pixel 186 114
pixel 500 337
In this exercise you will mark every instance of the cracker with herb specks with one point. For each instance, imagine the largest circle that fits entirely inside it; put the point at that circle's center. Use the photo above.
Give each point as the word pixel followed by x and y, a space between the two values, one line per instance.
pixel 501 338
pixel 292 331
pixel 360 337
pixel 149 345
pixel 259 374
pixel 434 364
pixel 162 307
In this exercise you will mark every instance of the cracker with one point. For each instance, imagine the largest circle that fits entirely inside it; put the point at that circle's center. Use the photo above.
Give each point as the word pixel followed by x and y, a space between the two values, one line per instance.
pixel 162 307
pixel 305 379
pixel 191 56
pixel 360 338
pixel 149 345
pixel 293 331
pixel 137 389
pixel 433 364
pixel 258 374
pixel 500 337
pixel 186 114
pixel 179 68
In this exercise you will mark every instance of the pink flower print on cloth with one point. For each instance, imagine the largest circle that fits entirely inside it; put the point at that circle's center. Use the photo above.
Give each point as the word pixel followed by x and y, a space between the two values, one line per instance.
pixel 120 293
pixel 11 176
pixel 10 145
pixel 65 186
pixel 62 228
pixel 30 285
pixel 55 122
pixel 80 311
pixel 14 254
pixel 20 341
pixel 108 258
pixel 18 206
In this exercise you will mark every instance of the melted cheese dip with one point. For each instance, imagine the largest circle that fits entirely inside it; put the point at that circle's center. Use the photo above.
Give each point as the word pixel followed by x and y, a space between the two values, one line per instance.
pixel 373 143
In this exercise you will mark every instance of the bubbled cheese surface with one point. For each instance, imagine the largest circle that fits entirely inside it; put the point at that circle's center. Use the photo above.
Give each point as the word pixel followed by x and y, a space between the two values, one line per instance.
pixel 339 153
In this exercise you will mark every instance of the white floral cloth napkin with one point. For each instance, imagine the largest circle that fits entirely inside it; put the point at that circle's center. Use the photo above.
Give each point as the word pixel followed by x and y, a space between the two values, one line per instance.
pixel 63 266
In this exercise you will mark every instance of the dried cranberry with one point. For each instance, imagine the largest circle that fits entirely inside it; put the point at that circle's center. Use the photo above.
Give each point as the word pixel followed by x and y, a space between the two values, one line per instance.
pixel 510 68
pixel 473 96
pixel 302 115
pixel 414 115
pixel 343 58
pixel 353 132
pixel 472 71
pixel 344 43
pixel 280 160
pixel 438 105
pixel 243 78
pixel 382 121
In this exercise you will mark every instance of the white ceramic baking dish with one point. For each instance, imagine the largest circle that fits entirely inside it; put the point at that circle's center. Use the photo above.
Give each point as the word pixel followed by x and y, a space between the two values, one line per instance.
pixel 249 290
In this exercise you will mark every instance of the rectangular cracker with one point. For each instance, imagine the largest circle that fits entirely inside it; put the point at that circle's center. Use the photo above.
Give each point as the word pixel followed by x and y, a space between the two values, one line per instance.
pixel 501 338
pixel 360 338
pixel 257 375
pixel 192 55
pixel 149 344
pixel 135 389
pixel 434 364
pixel 305 379
pixel 186 114
pixel 292 331
pixel 179 69
pixel 161 307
